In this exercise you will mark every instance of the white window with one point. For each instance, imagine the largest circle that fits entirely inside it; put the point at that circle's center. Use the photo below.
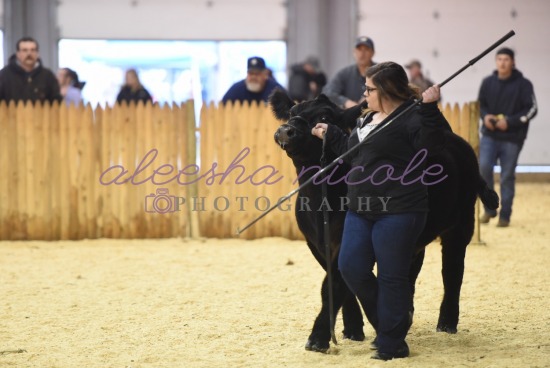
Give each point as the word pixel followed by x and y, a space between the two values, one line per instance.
pixel 172 71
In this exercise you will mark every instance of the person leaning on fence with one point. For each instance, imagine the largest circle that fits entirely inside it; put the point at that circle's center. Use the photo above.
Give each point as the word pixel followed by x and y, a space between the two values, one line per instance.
pixel 71 87
pixel 25 78
pixel 507 104
pixel 257 86
pixel 133 90
pixel 386 234
pixel 346 88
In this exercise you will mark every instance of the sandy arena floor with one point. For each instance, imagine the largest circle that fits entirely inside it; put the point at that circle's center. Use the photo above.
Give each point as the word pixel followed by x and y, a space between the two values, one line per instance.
pixel 232 303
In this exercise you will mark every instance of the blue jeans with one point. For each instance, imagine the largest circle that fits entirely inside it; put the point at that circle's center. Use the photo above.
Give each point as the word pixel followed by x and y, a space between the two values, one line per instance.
pixel 388 240
pixel 507 153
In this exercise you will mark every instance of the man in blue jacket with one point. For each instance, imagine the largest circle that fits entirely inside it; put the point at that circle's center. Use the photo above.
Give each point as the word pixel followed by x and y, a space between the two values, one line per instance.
pixel 257 86
pixel 507 105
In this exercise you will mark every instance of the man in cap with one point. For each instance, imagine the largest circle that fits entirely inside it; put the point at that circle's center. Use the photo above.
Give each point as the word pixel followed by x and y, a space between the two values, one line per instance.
pixel 257 86
pixel 507 105
pixel 416 76
pixel 25 79
pixel 347 87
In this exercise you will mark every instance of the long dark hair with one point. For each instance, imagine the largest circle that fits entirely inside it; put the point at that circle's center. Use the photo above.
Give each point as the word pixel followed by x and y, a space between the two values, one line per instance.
pixel 391 82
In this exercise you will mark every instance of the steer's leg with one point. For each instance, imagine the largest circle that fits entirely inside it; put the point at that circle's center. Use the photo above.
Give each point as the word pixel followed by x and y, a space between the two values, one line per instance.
pixel 320 334
pixel 353 318
pixel 453 250
pixel 416 266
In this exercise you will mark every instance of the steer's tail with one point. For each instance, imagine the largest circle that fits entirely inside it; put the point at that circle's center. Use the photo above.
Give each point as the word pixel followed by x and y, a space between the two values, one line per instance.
pixel 488 196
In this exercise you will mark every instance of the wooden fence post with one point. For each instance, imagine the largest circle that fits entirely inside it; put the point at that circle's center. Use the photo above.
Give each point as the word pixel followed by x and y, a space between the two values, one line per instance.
pixel 473 139
pixel 6 142
pixel 193 227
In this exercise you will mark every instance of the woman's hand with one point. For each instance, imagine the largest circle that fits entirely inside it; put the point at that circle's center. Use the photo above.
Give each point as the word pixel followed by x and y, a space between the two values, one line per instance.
pixel 319 130
pixel 431 94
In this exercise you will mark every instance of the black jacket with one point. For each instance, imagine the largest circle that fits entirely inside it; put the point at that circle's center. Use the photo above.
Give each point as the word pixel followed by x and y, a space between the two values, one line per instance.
pixel 299 83
pixel 18 85
pixel 514 98
pixel 126 94
pixel 394 146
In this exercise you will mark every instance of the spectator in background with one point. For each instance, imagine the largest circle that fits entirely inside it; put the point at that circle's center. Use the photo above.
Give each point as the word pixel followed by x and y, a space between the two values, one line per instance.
pixel 270 75
pixel 133 90
pixel 306 80
pixel 347 87
pixel 507 104
pixel 25 78
pixel 416 76
pixel 257 86
pixel 71 87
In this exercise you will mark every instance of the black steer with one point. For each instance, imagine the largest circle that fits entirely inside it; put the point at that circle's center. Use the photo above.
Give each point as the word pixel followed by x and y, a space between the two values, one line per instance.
pixel 451 216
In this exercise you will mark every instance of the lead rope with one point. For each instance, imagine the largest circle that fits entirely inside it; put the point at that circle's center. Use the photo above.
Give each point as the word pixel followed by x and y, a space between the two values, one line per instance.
pixel 326 240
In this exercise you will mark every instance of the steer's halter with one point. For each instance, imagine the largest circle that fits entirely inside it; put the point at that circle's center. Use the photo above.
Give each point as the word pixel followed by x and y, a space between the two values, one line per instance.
pixel 291 123
pixel 295 118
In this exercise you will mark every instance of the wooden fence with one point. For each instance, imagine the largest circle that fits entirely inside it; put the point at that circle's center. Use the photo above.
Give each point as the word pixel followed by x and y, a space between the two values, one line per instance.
pixel 145 171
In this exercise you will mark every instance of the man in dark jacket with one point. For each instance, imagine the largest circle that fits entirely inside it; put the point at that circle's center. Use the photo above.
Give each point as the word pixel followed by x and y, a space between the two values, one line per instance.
pixel 507 105
pixel 24 78
pixel 257 86
pixel 306 80
pixel 347 87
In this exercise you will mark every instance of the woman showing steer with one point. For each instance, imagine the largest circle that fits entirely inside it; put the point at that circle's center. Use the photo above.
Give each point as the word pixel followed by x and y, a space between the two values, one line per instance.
pixel 385 231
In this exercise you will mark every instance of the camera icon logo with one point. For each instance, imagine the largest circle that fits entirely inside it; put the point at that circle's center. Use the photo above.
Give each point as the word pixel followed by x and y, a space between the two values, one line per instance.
pixel 161 202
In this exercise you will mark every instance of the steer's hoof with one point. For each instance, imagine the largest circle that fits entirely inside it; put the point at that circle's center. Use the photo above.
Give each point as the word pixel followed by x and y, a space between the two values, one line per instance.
pixel 320 347
pixel 354 335
pixel 445 328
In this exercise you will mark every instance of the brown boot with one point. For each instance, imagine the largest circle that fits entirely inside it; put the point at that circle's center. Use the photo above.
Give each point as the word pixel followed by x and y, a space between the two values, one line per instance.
pixel 503 223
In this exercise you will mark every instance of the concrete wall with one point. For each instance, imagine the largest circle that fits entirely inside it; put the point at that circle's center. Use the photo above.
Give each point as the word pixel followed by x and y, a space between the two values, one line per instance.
pixel 317 28
pixel 35 18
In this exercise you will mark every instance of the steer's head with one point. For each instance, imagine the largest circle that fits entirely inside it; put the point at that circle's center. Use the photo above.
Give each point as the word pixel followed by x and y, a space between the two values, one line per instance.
pixel 294 135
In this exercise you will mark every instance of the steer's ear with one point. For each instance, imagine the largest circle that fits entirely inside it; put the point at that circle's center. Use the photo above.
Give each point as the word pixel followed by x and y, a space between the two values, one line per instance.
pixel 280 104
pixel 324 99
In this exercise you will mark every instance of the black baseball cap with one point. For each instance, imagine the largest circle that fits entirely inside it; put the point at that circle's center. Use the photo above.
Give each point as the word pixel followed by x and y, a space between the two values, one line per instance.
pixel 256 63
pixel 365 41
